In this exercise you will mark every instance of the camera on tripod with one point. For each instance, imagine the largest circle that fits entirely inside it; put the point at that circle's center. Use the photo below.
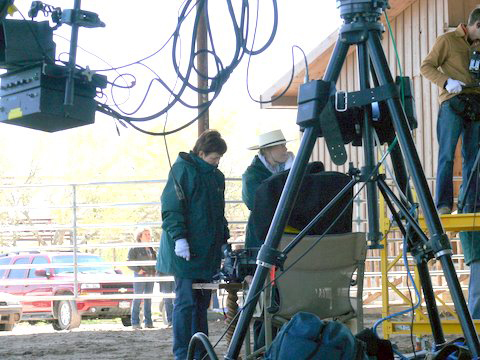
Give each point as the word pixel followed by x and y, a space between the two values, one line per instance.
pixel 347 108
pixel 350 10
pixel 237 264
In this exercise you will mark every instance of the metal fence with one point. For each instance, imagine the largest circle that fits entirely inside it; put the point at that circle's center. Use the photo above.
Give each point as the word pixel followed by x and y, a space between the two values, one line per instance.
pixel 100 218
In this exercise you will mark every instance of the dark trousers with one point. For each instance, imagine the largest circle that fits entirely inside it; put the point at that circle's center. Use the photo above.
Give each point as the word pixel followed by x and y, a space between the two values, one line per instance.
pixel 450 127
pixel 189 316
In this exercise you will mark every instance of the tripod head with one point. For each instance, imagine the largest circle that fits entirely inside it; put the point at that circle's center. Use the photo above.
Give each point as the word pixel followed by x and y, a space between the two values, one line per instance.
pixel 367 10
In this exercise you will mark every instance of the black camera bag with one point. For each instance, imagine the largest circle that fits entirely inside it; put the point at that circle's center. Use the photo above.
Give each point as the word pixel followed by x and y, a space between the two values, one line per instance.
pixel 467 106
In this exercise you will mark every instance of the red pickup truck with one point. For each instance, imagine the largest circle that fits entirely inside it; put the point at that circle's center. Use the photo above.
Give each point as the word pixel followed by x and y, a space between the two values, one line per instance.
pixel 54 273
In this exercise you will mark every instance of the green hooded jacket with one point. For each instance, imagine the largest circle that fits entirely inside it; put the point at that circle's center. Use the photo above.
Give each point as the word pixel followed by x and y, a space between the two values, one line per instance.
pixel 199 218
pixel 255 174
pixel 471 245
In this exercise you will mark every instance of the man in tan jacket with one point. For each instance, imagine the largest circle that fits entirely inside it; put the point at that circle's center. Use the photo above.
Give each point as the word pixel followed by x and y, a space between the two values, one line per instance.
pixel 447 66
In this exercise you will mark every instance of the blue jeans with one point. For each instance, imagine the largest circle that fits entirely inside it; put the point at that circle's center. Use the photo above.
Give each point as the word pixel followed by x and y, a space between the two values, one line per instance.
pixel 474 290
pixel 450 127
pixel 142 288
pixel 168 287
pixel 189 316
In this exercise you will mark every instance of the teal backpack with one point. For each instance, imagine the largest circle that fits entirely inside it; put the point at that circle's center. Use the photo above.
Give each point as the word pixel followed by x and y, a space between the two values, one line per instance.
pixel 305 336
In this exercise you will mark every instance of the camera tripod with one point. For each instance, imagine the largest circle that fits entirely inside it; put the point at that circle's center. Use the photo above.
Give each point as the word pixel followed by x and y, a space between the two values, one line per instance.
pixel 318 104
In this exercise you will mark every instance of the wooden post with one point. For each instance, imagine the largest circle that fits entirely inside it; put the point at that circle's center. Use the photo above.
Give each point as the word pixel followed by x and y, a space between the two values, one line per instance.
pixel 202 67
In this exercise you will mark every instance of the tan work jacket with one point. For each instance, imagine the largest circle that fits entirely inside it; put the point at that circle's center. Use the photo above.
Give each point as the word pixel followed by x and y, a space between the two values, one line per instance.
pixel 450 58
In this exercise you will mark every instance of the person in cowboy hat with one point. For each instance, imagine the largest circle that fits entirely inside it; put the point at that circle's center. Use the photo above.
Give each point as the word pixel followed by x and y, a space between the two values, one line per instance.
pixel 273 157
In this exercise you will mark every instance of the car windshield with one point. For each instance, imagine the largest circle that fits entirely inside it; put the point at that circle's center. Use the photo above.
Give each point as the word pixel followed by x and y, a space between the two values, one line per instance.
pixel 82 259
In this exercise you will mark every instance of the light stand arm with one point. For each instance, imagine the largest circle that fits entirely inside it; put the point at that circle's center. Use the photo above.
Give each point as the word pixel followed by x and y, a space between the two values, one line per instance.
pixel 72 57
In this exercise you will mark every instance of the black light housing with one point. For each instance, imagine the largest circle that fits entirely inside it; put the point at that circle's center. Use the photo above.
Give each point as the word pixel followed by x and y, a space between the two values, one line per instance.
pixel 33 97
pixel 35 92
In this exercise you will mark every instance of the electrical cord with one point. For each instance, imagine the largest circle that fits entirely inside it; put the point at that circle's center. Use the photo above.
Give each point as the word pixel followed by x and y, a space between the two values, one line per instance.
pixel 251 52
pixel 223 72
pixel 239 14
pixel 113 84
pixel 402 89
pixel 144 58
pixel 292 74
pixel 413 308
pixel 178 188
pixel 412 318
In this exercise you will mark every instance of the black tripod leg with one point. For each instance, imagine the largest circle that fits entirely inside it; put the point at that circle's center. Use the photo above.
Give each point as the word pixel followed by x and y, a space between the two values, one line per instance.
pixel 401 172
pixel 429 295
pixel 415 243
pixel 416 247
pixel 374 235
pixel 439 241
pixel 404 137
pixel 397 159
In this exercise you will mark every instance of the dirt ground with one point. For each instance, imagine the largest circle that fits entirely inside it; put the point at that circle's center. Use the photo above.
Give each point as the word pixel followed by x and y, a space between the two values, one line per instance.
pixel 109 340
pixel 92 341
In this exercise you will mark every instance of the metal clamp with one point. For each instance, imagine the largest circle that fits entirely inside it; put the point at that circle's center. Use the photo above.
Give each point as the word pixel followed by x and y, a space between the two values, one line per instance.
pixel 269 257
pixel 345 97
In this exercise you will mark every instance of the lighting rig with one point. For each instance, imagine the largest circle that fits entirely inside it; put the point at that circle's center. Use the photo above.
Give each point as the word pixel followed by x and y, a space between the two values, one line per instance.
pixel 35 92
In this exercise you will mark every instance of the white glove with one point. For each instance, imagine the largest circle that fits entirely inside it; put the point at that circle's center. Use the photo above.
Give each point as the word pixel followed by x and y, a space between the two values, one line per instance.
pixel 454 86
pixel 182 249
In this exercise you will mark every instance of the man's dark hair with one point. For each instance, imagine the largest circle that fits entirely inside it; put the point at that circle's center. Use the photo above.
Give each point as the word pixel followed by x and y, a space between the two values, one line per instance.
pixel 210 141
pixel 474 17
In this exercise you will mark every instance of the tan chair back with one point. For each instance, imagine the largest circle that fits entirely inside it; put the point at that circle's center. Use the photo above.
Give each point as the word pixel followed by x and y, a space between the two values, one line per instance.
pixel 320 282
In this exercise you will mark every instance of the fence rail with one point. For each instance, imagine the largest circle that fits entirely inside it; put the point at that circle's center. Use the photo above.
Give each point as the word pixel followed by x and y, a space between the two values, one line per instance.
pixel 99 218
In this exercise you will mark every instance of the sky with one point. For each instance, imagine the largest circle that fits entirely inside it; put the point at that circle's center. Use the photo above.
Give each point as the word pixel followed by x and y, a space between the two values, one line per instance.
pixel 134 31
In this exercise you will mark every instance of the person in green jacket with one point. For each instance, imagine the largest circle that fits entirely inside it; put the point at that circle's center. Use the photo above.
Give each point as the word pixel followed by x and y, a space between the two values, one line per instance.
pixel 471 251
pixel 194 230
pixel 273 157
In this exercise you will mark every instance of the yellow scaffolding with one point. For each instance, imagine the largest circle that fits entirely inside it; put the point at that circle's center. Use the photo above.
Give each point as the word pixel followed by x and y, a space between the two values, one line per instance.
pixel 421 325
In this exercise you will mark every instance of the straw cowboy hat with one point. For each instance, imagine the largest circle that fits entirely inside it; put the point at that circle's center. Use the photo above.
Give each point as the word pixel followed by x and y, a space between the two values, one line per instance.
pixel 268 139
